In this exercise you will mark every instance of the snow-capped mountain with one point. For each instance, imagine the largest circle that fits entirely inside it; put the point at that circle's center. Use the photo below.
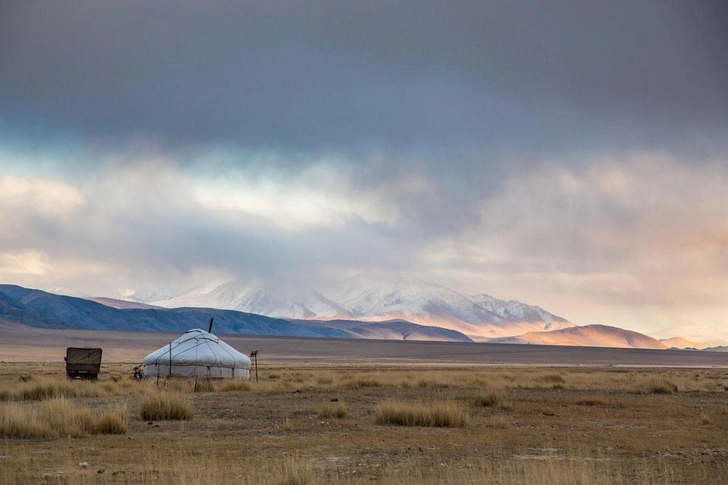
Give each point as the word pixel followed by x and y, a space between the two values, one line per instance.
pixel 170 293
pixel 276 302
pixel 365 298
pixel 300 304
pixel 480 316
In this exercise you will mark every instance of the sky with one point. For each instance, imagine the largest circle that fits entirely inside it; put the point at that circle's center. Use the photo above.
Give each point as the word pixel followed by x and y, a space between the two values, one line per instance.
pixel 571 155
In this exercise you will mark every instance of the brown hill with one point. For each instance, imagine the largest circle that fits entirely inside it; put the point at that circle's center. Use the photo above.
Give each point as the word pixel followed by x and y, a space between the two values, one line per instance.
pixel 681 343
pixel 588 336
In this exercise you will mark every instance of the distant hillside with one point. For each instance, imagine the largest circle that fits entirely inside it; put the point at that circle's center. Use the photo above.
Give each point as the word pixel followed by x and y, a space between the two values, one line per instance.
pixel 696 332
pixel 681 343
pixel 37 308
pixel 588 336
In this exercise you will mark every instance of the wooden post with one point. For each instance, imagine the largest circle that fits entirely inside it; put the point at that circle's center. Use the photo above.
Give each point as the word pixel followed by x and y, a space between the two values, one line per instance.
pixel 254 355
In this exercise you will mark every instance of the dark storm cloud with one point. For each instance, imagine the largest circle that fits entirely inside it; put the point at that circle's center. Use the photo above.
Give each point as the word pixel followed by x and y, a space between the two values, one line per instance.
pixel 410 75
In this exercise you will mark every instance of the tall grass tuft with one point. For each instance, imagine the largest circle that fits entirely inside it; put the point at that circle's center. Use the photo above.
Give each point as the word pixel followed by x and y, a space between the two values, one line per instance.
pixel 44 388
pixel 62 415
pixel 160 406
pixel 113 421
pixel 657 386
pixel 333 410
pixel 442 414
pixel 58 418
pixel 495 399
pixel 364 381
pixel 21 422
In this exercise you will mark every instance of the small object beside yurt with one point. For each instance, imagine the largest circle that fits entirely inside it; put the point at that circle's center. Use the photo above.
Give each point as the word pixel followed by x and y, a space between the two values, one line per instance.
pixel 197 354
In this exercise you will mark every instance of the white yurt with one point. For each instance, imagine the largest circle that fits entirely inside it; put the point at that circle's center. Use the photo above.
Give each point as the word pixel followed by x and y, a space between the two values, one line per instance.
pixel 197 354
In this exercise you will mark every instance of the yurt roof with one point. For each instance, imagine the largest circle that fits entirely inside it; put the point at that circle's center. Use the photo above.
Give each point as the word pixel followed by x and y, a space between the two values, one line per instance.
pixel 197 347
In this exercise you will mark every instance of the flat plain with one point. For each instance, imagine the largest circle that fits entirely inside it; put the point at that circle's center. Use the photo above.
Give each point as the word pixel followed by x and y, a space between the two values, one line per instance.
pixel 372 412
pixel 19 343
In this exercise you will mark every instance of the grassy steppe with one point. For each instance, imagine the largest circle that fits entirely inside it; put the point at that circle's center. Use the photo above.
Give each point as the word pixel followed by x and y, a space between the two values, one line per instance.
pixel 345 424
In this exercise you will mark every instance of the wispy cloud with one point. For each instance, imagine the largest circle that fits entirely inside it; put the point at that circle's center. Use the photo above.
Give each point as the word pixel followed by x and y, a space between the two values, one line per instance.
pixel 27 262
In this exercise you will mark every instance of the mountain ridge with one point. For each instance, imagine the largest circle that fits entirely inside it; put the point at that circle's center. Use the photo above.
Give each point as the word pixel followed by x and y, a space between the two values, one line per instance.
pixel 37 308
pixel 481 316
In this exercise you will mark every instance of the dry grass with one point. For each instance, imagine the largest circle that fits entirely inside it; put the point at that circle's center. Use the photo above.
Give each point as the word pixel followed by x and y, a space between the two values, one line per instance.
pixel 598 426
pixel 18 421
pixel 58 418
pixel 349 377
pixel 440 414
pixel 113 421
pixel 499 398
pixel 39 389
pixel 333 410
pixel 563 467
pixel 166 406
pixel 296 472
pixel 552 378
pixel 498 422
pixel 474 378
pixel 659 385
pixel 234 385
pixel 363 381
pixel 287 424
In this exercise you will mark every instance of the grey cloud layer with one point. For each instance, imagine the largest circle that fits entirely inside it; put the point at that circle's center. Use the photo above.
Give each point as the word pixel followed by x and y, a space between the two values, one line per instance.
pixel 508 76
